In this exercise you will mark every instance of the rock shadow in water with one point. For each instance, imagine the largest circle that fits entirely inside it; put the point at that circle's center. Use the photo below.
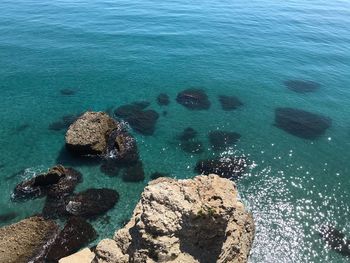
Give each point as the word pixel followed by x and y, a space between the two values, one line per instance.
pixel 302 86
pixel 229 103
pixel 301 123
pixel 193 99
pixel 64 122
pixel 221 140
pixel 157 175
pixel 8 216
pixel 67 158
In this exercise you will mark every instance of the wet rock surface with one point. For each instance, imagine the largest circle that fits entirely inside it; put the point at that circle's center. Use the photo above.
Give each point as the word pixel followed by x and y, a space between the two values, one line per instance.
pixel 88 135
pixel 26 240
pixel 227 167
pixel 193 99
pixel 301 123
pixel 58 181
pixel 302 86
pixel 229 103
pixel 75 234
pixel 141 120
pixel 220 140
pixel 194 220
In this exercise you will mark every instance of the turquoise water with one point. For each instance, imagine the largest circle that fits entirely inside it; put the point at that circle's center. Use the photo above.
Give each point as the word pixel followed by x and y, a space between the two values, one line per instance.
pixel 116 52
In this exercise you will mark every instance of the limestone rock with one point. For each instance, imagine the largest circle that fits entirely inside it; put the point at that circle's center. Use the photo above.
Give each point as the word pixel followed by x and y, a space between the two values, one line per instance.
pixel 83 256
pixel 193 220
pixel 88 135
pixel 26 240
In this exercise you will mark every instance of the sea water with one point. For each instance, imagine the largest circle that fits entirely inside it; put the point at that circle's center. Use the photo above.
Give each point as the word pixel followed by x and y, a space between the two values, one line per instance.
pixel 116 52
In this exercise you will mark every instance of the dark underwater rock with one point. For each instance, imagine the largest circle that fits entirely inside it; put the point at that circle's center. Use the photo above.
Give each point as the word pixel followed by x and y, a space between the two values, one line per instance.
pixel 187 134
pixel 301 123
pixel 67 92
pixel 335 239
pixel 134 173
pixel 156 175
pixel 88 135
pixel 110 167
pixel 163 99
pixel 22 128
pixel 92 202
pixel 55 207
pixel 64 122
pixel 302 86
pixel 141 104
pixel 192 146
pixel 5 217
pixel 229 102
pixel 75 234
pixel 227 167
pixel 56 182
pixel 142 121
pixel 220 140
pixel 193 99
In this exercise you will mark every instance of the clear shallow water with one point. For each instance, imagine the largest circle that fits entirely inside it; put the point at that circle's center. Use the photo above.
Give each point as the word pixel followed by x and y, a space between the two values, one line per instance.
pixel 116 52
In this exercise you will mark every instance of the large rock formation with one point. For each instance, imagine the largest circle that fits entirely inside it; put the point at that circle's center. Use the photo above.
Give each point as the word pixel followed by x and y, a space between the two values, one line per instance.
pixel 26 240
pixel 194 220
pixel 89 134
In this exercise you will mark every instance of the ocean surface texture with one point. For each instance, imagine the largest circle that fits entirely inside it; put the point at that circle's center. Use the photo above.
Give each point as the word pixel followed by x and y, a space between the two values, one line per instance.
pixel 61 58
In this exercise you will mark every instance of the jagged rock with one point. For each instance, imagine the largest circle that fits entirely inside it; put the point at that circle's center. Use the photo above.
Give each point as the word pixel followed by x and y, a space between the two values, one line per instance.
pixel 220 140
pixel 91 202
pixel 193 220
pixel 302 86
pixel 193 99
pixel 301 123
pixel 88 135
pixel 163 99
pixel 26 240
pixel 228 167
pixel 83 256
pixel 229 102
pixel 75 234
pixel 58 181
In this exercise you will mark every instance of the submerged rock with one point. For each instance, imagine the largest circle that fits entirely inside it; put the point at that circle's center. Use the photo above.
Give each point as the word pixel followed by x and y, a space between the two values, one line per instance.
pixel 194 220
pixel 192 146
pixel 75 234
pixel 67 92
pixel 58 181
pixel 302 86
pixel 187 134
pixel 229 102
pixel 142 121
pixel 335 239
pixel 134 173
pixel 163 99
pixel 22 128
pixel 26 240
pixel 193 99
pixel 88 135
pixel 301 123
pixel 91 202
pixel 227 167
pixel 220 140
pixel 5 217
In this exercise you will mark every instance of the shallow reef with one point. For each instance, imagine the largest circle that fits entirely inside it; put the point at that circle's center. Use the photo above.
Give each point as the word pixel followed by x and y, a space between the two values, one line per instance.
pixel 302 86
pixel 193 99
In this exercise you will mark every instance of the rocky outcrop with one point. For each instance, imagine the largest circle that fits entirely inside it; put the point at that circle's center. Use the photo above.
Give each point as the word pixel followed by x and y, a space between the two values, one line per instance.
pixel 83 256
pixel 57 182
pixel 88 135
pixel 194 220
pixel 26 240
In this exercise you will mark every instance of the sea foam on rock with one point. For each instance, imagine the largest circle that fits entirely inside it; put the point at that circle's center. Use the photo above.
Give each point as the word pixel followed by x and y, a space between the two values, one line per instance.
pixel 193 220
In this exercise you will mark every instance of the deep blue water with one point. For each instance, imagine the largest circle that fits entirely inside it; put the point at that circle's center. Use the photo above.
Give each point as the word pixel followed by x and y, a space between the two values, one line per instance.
pixel 116 52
